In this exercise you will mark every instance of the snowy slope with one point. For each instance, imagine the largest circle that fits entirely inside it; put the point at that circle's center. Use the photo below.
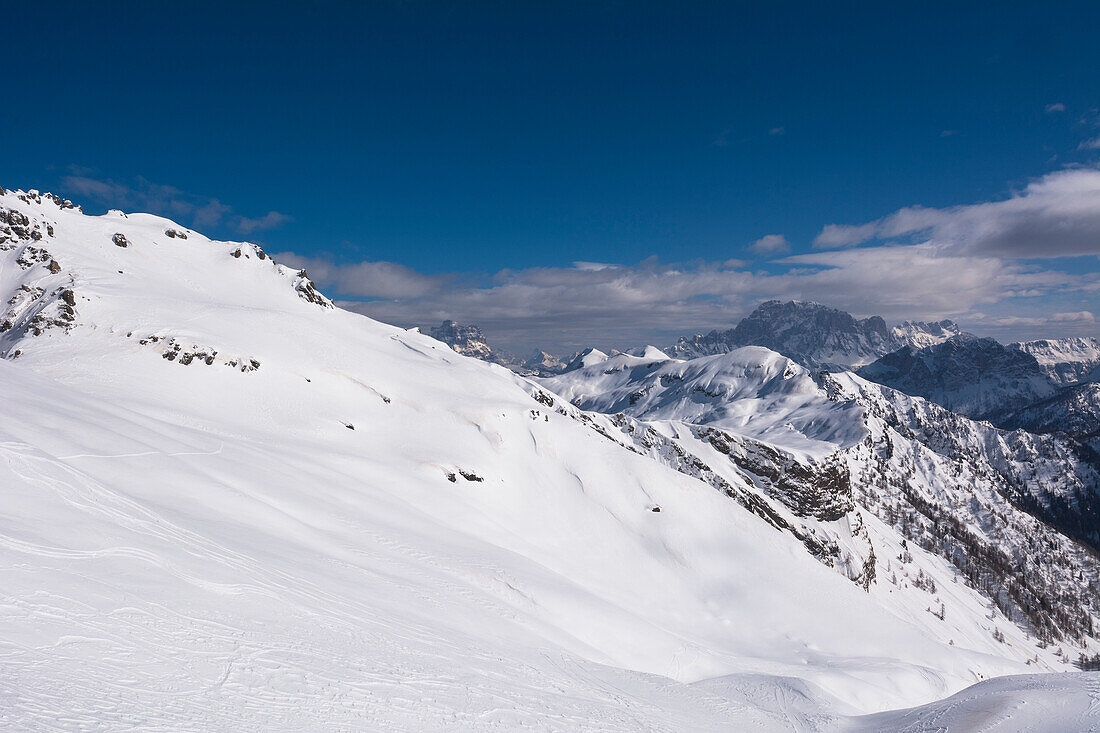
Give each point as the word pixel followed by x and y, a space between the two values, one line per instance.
pixel 585 358
pixel 231 506
pixel 1033 703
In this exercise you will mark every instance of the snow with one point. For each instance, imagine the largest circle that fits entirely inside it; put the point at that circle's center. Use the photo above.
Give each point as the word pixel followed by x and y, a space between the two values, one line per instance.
pixel 750 391
pixel 1066 360
pixel 370 531
pixel 1034 703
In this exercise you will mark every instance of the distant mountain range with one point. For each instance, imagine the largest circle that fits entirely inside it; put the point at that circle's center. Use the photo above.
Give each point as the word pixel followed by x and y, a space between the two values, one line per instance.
pixel 1006 385
pixel 812 334
pixel 815 336
pixel 470 341
pixel 1067 360
pixel 1040 385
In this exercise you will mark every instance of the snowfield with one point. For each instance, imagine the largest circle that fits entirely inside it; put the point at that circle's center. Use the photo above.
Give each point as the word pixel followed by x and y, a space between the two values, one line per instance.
pixel 230 506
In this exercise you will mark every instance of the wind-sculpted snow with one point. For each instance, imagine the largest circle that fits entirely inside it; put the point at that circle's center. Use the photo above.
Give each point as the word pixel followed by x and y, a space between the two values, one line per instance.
pixel 368 531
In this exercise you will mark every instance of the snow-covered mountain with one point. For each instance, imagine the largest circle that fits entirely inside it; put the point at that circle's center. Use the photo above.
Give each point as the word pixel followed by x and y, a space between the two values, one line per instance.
pixel 815 336
pixel 1039 386
pixel 585 358
pixel 1066 360
pixel 541 364
pixel 229 505
pixel 977 377
pixel 834 447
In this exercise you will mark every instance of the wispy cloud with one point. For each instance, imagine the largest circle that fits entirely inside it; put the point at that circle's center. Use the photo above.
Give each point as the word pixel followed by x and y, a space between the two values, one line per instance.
pixel 1057 215
pixel 270 220
pixel 1055 107
pixel 201 212
pixel 775 131
pixel 975 263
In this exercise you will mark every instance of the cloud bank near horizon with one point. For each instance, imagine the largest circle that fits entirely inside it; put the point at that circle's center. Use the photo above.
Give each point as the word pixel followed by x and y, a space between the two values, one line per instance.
pixel 1023 267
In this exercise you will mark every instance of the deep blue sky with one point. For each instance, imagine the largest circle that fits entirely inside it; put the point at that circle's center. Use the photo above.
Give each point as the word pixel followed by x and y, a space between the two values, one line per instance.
pixel 471 137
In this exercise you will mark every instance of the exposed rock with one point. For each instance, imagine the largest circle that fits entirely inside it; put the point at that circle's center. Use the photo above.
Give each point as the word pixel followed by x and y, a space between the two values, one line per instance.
pixel 308 292
pixel 120 240
pixel 466 340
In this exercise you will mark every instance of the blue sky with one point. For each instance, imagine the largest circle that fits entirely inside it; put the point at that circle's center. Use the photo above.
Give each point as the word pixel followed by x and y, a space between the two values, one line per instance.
pixel 431 160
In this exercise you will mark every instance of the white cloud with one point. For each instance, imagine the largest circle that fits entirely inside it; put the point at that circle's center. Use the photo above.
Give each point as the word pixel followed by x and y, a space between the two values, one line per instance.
pixel 386 280
pixel 1075 317
pixel 833 236
pixel 1090 144
pixel 1057 215
pixel 592 266
pixel 566 308
pixel 771 244
pixel 1055 107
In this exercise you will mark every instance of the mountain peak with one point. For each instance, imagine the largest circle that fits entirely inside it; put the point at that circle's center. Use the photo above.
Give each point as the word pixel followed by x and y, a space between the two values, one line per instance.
pixel 815 335
pixel 467 340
